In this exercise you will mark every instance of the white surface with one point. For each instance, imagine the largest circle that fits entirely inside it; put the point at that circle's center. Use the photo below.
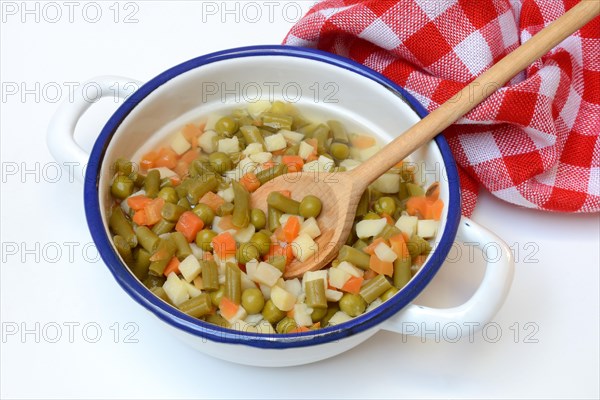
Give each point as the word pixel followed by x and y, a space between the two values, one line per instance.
pixel 555 291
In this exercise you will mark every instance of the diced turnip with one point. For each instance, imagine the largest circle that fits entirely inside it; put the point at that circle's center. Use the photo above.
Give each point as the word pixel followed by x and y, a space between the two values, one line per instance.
pixel 205 141
pixel 314 166
pixel 211 121
pixel 265 327
pixel 258 107
pixel 253 319
pixel 229 145
pixel 227 194
pixel 427 228
pixel 338 277
pixel 333 295
pixel 282 299
pixel 407 224
pixel 370 227
pixel 190 268
pixel 197 251
pixel 292 137
pixel 293 286
pixel 247 283
pixel 326 162
pixel 311 228
pixel 385 253
pixel 267 274
pixel 351 269
pixel 388 183
pixel 349 164
pixel 175 289
pixel 338 318
pixel 245 234
pixel 275 142
pixel 305 150
pixel 262 157
pixel 266 290
pixel 192 290
pixel 303 247
pixel 302 315
pixel 253 148
pixel 179 144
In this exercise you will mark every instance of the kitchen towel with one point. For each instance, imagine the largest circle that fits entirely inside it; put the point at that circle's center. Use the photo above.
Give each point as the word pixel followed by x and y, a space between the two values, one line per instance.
pixel 536 141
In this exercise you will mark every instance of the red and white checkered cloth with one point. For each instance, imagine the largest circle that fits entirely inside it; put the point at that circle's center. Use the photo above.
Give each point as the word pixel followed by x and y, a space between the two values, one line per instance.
pixel 536 141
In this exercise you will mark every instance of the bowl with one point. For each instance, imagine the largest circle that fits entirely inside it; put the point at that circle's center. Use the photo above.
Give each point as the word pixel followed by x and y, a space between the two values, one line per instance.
pixel 322 85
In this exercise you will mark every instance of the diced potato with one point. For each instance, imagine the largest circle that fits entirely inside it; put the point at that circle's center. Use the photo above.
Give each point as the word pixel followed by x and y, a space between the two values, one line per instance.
pixel 253 319
pixel 258 107
pixel 265 327
pixel 179 144
pixel 229 145
pixel 407 224
pixel 351 269
pixel 239 317
pixel 339 317
pixel 338 277
pixel 349 164
pixel 164 172
pixel 240 325
pixel 266 290
pixel 253 148
pixel 227 194
pixel 282 299
pixel 333 295
pixel 305 150
pixel 190 268
pixel 314 276
pixel 211 121
pixel 326 162
pixel 175 289
pixel 247 283
pixel 303 247
pixel 251 267
pixel 370 227
pixel 261 157
pixel 192 290
pixel 275 142
pixel 302 315
pixel 388 183
pixel 293 286
pixel 376 303
pixel 267 274
pixel 427 228
pixel 365 154
pixel 292 137
pixel 205 141
pixel 197 251
pixel 385 253
pixel 245 234
pixel 311 228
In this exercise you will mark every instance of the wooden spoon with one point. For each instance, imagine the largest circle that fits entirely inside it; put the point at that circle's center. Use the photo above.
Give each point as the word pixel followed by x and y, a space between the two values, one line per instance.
pixel 341 192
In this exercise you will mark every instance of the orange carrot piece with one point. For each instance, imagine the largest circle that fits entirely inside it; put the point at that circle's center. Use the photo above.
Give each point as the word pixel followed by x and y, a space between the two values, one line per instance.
pixel 286 193
pixel 389 220
pixel 269 164
pixel 182 168
pixel 417 205
pixel 398 245
pixel 381 267
pixel 362 142
pixel 291 229
pixel 137 203
pixel 189 224
pixel 140 217
pixel 353 285
pixel 226 223
pixel 228 308
pixel 153 210
pixel 369 274
pixel 294 163
pixel 191 131
pixel 250 182
pixel 148 160
pixel 435 210
pixel 214 201
pixel 370 249
pixel 420 260
pixel 312 157
pixel 299 329
pixel 172 266
pixel 189 156
pixel 166 158
pixel 279 235
pixel 223 245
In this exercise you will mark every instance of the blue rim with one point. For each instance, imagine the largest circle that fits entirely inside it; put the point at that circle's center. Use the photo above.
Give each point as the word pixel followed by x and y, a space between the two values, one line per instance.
pixel 213 332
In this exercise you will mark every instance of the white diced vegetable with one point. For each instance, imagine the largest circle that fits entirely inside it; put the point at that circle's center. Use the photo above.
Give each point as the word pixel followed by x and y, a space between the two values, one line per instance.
pixel 370 227
pixel 179 144
pixel 239 317
pixel 333 295
pixel 253 319
pixel 262 157
pixel 302 315
pixel 211 121
pixel 314 276
pixel 303 247
pixel 227 194
pixel 311 228
pixel 175 289
pixel 351 269
pixel 164 172
pixel 245 234
pixel 265 327
pixel 339 317
pixel 388 183
pixel 266 291
pixel 241 325
pixel 365 154
pixel 251 267
pixel 190 268
pixel 293 286
pixel 229 145
pixel 205 141
pixel 407 224
pixel 267 274
pixel 385 253
pixel 305 150
pixel 253 148
pixel 292 137
pixel 349 164
pixel 282 299
pixel 247 283
pixel 275 142
pixel 197 251
pixel 376 303
pixel 427 228
pixel 258 107
pixel 192 290
pixel 338 277
pixel 326 162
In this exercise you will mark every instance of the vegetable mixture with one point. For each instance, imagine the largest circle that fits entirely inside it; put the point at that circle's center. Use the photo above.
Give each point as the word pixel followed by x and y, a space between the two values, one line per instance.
pixel 184 225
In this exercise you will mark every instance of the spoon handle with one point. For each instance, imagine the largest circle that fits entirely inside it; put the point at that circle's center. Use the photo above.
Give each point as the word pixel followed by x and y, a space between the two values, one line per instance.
pixel 477 91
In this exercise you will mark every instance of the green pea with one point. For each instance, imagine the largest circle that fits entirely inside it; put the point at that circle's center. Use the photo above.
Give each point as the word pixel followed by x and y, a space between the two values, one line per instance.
pixel 226 126
pixel 258 218
pixel 205 213
pixel 220 162
pixel 385 205
pixel 339 151
pixel 262 242
pixel 247 252
pixel 352 304
pixel 122 187
pixel 217 295
pixel 310 206
pixel 389 294
pixel 204 238
pixel 168 194
pixel 253 300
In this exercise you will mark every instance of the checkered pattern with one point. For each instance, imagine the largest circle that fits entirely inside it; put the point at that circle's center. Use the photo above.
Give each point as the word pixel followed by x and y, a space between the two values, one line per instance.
pixel 534 142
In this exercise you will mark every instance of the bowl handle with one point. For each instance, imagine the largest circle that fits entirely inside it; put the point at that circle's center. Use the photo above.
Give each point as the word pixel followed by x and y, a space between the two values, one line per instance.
pixel 60 137
pixel 479 309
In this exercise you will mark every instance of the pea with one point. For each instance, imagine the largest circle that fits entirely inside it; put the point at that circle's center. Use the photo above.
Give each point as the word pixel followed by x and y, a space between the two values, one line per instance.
pixel 352 304
pixel 122 187
pixel 262 242
pixel 205 213
pixel 123 166
pixel 339 151
pixel 253 300
pixel 247 252
pixel 168 194
pixel 220 162
pixel 258 218
pixel 226 126
pixel 217 295
pixel 310 206
pixel 204 238
pixel 385 205
pixel 389 294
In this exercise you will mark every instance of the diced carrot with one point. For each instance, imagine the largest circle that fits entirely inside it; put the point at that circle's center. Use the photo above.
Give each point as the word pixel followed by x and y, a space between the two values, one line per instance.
pixel 140 217
pixel 420 260
pixel 291 313
pixel 189 156
pixel 314 143
pixel 353 285
pixel 381 267
pixel 228 308
pixel 433 193
pixel 291 229
pixel 214 201
pixel 269 164
pixel 316 325
pixel 250 182
pixel 206 256
pixel 312 157
pixel 175 180
pixel 362 142
pixel 417 205
pixel 137 203
pixel 224 245
pixel 148 160
pixel 153 210
pixel 398 245
pixel 190 131
pixel 278 152
pixel 189 224
pixel 294 163
pixel 299 329
pixel 286 193
pixel 279 235
pixel 369 274
pixel 370 249
pixel 435 210
pixel 166 158
pixel 388 218
pixel 172 266
pixel 182 168
pixel 194 142
pixel 226 223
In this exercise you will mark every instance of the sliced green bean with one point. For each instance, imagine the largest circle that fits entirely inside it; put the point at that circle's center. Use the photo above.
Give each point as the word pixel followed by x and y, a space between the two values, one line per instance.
pixel 216 319
pixel 160 293
pixel 122 227
pixel 241 210
pixel 185 203
pixel 374 288
pixel 282 203
pixel 360 244
pixel 278 262
pixel 332 308
pixel 322 134
pixel 163 226
pixel 414 190
pixel 273 216
pixel 252 135
pixel 286 325
pixel 166 248
pixel 225 209
pixel 197 306
pixel 388 231
pixel 171 212
pixel 292 150
pixel 271 313
pixel 122 187
pixel 123 166
pixel 183 248
pixel 168 194
pixel 147 239
pixel 233 283
pixel 153 281
pixel 338 131
pixel 141 264
pixel 200 186
pixel 417 246
pixel 210 275
pixel 152 183
pixel 277 121
pixel 315 293
pixel 123 249
pixel 355 257
pixel 271 173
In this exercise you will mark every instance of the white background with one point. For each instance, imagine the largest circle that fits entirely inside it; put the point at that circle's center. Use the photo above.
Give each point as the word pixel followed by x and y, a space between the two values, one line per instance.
pixel 549 325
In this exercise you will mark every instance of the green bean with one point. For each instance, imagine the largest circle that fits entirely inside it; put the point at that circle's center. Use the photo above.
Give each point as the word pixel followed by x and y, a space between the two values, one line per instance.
pixel 220 162
pixel 197 306
pixel 205 213
pixel 216 319
pixel 355 257
pixel 352 304
pixel 210 275
pixel 375 194
pixel 233 283
pixel 286 325
pixel 247 252
pixel 253 300
pixel 308 130
pixel 315 293
pixel 141 263
pixel 183 248
pixel 321 134
pixel 162 227
pixel 374 288
pixel 283 203
pixel 338 131
pixel 166 248
pixel 271 313
pixel 252 135
pixel 292 150
pixel 122 187
pixel 408 172
pixel 277 121
pixel 414 190
pixel 168 194
pixel 318 314
pixel 389 294
pixel 171 212
pixel 153 281
pixel 200 186
pixel 204 239
pixel 371 215
pixel 185 203
pixel 217 295
pixel 310 206
pixel 123 249
pixel 152 183
pixel 359 244
pixel 278 262
pixel 160 293
pixel 258 218
pixel 363 205
pixel 122 227
pixel 241 210
pixel 123 166
pixel 388 231
pixel 417 246
pixel 403 192
pixel 147 239
pixel 225 209
pixel 271 173
pixel 273 216
pixel 165 182
pixel 138 179
pixel 339 151
pixel 332 308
